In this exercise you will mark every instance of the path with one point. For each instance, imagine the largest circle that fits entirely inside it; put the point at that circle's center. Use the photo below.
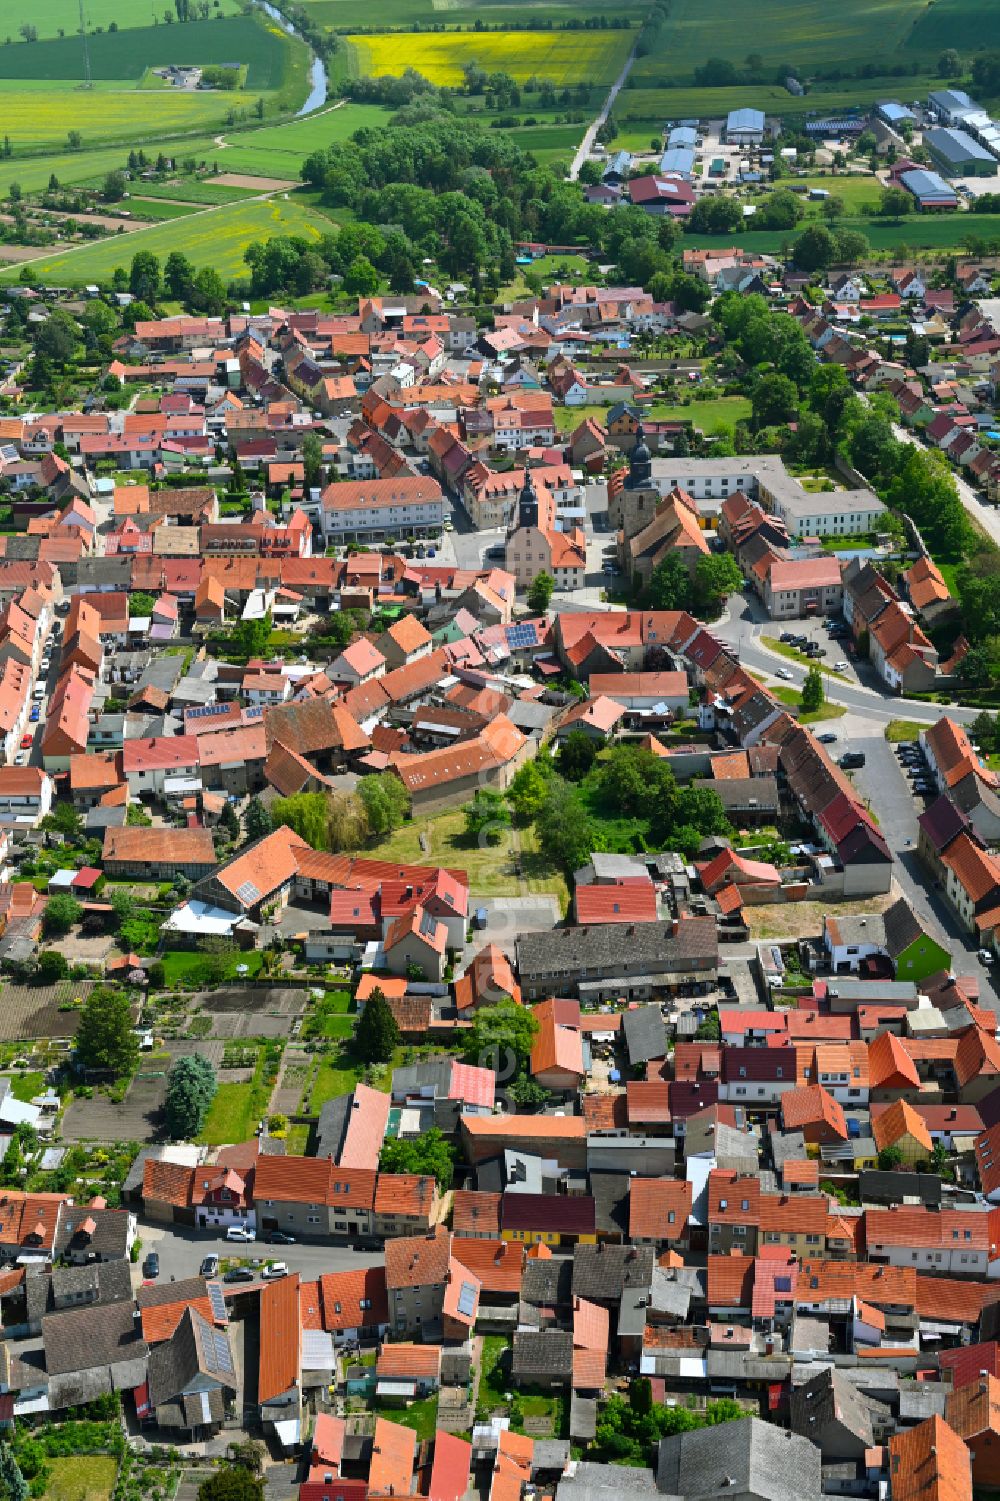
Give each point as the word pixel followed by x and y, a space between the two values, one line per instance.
pixel 986 517
pixel 587 144
pixel 223 144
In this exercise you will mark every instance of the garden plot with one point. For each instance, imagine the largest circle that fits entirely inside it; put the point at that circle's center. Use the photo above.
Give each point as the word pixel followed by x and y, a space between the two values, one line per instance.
pixel 28 1011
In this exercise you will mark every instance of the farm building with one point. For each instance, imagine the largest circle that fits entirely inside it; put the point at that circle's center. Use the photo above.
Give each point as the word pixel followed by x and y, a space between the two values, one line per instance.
pixel 957 154
pixel 617 170
pixel 678 160
pixel 930 190
pixel 745 127
pixel 951 106
pixel 662 195
pixel 894 113
pixel 682 137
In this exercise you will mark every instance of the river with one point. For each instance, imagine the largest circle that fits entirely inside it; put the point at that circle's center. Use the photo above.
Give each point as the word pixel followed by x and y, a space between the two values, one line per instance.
pixel 318 82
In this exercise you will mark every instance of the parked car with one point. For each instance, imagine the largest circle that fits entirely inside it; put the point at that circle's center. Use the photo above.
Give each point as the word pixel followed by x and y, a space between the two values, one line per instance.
pixel 828 739
pixel 280 1238
pixel 21 759
pixel 852 760
pixel 276 1269
pixel 151 1265
pixel 27 741
pixel 34 716
pixel 783 672
pixel 985 957
pixel 240 1232
pixel 239 1274
pixel 210 1266
pixel 840 667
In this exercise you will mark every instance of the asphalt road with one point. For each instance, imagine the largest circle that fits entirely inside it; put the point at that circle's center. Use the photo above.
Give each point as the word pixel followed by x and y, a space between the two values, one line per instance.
pixel 985 516
pixel 181 1251
pixel 746 623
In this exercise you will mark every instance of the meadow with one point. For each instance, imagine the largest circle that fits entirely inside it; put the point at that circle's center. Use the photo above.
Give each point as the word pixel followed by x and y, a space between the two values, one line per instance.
pixel 120 55
pixel 804 32
pixel 563 56
pixel 406 15
pixel 216 237
pixel 194 190
pixel 931 232
pixel 63 16
pixel 968 25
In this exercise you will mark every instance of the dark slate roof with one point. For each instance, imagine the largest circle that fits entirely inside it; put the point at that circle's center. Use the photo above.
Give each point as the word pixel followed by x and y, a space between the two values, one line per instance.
pixel 901 927
pixel 745 1458
pixel 653 946
pixel 548 1283
pixel 601 1272
pixel 101 1281
pixel 547 1352
pixel 645 1033
pixel 829 1398
pixel 82 1339
pixel 941 822
pixel 610 1193
pixel 110 1237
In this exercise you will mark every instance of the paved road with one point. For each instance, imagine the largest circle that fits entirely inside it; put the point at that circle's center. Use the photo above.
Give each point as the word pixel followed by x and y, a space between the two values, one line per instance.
pixel 181 1251
pixel 985 516
pixel 745 624
pixel 587 144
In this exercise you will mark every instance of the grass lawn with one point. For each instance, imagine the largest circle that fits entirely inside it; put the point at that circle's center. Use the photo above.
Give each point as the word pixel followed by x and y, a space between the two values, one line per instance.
pixel 236 1109
pixel 333 1078
pixel 717 415
pixel 491 869
pixel 420 1416
pixel 493 1384
pixel 898 730
pixel 183 968
pixel 791 697
pixel 25 1086
pixel 794 655
pixel 329 1017
pixel 81 1477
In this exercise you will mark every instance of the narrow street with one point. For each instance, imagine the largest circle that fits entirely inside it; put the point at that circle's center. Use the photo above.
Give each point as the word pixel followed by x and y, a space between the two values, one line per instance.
pixel 587 144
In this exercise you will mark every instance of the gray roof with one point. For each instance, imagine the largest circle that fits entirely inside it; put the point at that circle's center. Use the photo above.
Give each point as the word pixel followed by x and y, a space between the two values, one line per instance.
pixel 829 1398
pixel 196 1348
pixel 550 1454
pixel 902 927
pixel 414 1078
pixel 924 184
pixel 955 146
pixel 109 1238
pixel 331 1125
pixel 745 119
pixel 602 1271
pixel 595 1482
pixel 86 1338
pixel 101 1281
pixel 651 947
pixel 743 792
pixel 645 1033
pixel 610 1193
pixel 854 930
pixel 668 1295
pixel 921 1399
pixel 745 1458
pixel 548 1282
pixel 547 1352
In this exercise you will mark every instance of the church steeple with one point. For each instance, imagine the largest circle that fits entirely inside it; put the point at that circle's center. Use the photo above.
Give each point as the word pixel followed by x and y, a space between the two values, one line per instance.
pixel 527 505
pixel 640 469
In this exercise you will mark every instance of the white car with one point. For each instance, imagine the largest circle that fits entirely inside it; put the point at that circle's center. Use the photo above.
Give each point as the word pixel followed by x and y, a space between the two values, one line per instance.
pixel 276 1269
pixel 985 956
pixel 840 667
pixel 240 1232
pixel 783 672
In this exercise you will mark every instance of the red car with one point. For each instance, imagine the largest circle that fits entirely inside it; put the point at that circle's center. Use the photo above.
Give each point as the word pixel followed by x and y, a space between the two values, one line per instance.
pixel 26 741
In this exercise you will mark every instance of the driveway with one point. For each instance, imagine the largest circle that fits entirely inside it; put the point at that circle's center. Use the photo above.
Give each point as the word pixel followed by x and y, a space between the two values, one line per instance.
pixel 509 916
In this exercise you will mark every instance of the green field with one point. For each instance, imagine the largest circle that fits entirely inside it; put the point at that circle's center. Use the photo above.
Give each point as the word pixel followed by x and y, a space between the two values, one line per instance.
pixel 355 15
pixel 217 237
pixel 121 55
pixel 565 57
pixel 55 16
pixel 650 101
pixel 714 416
pixel 966 24
pixel 195 190
pixel 932 232
pixel 155 210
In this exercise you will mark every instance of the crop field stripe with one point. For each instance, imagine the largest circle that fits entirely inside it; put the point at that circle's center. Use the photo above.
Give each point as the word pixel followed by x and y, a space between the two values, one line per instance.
pixel 563 56
pixel 214 237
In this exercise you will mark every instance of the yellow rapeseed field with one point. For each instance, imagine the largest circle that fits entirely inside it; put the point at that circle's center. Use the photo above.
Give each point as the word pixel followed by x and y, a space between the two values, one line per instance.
pixel 567 57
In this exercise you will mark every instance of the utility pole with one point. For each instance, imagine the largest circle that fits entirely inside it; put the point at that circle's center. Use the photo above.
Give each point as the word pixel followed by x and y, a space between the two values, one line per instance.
pixel 88 82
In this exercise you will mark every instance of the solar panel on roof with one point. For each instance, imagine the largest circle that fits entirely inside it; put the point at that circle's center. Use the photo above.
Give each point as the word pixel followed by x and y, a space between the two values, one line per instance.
pixel 223 1354
pixel 206 710
pixel 248 892
pixel 218 1302
pixel 467 1300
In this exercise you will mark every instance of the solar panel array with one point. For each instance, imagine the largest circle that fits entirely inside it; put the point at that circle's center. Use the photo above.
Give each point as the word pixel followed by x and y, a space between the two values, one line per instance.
pixel 218 1356
pixel 207 710
pixel 248 892
pixel 520 635
pixel 218 1302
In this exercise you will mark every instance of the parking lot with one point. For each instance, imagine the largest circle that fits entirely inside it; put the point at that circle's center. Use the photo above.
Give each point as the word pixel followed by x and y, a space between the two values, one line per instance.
pixel 826 641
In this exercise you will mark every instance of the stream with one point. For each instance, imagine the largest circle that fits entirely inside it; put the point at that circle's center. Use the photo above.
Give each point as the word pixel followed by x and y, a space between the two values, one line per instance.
pixel 318 83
